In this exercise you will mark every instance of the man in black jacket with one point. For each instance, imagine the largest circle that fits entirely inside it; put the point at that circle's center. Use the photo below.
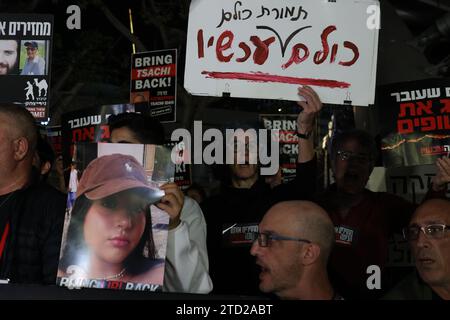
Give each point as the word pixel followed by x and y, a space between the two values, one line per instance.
pixel 233 215
pixel 31 214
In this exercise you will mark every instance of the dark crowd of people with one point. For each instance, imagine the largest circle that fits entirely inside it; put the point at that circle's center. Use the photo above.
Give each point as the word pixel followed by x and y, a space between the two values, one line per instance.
pixel 251 238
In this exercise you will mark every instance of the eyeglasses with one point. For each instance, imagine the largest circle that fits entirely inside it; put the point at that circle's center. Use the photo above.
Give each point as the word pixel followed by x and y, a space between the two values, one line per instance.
pixel 31 49
pixel 434 231
pixel 265 238
pixel 345 155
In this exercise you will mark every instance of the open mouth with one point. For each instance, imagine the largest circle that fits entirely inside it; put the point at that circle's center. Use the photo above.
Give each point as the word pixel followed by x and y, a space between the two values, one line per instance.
pixel 263 270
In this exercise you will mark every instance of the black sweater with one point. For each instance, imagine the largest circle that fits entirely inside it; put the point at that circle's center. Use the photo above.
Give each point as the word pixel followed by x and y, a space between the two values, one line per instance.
pixel 36 218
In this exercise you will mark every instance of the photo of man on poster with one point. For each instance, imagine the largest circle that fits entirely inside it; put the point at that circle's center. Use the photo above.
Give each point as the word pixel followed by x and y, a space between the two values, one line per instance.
pixel 34 63
pixel 8 57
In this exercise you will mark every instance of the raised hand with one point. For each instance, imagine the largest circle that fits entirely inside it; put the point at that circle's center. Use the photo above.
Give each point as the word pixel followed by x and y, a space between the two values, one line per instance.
pixel 442 177
pixel 311 107
pixel 172 203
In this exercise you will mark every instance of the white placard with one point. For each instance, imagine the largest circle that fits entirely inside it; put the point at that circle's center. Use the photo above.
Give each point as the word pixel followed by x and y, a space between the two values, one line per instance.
pixel 266 49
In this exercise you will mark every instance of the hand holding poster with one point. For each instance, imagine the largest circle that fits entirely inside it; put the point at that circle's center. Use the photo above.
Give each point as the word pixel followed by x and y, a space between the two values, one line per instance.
pixel 266 49
pixel 110 237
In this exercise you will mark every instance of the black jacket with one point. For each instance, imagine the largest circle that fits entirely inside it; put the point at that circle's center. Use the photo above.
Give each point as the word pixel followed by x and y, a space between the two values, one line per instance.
pixel 232 216
pixel 36 218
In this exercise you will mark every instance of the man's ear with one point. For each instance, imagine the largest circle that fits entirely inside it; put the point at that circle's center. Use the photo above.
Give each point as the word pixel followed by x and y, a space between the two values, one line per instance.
pixel 311 253
pixel 21 147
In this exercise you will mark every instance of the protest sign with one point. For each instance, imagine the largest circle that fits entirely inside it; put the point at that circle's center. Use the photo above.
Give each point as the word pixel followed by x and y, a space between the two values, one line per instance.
pixel 287 126
pixel 266 49
pixel 25 52
pixel 154 80
pixel 415 126
pixel 114 236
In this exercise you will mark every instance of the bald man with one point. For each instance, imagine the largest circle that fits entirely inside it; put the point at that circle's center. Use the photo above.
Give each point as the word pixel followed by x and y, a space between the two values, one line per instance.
pixel 31 214
pixel 429 236
pixel 293 245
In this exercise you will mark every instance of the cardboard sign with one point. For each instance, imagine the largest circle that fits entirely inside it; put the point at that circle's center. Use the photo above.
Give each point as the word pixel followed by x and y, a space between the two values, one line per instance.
pixel 25 54
pixel 154 80
pixel 415 122
pixel 267 49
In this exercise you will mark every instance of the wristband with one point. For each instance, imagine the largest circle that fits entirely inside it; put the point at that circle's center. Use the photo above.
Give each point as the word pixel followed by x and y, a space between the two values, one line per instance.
pixel 304 135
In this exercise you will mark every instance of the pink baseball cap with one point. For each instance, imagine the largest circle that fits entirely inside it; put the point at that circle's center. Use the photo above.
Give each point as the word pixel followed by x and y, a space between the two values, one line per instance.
pixel 114 173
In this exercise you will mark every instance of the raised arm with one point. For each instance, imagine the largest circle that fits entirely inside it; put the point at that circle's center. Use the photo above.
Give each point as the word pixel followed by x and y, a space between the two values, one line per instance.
pixel 305 123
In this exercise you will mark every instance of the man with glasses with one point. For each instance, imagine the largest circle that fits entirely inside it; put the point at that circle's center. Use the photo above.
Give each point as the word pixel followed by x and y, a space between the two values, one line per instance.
pixel 364 220
pixel 233 214
pixel 292 248
pixel 34 65
pixel 428 234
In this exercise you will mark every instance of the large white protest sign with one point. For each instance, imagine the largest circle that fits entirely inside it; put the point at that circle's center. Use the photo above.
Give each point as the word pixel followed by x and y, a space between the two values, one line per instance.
pixel 266 49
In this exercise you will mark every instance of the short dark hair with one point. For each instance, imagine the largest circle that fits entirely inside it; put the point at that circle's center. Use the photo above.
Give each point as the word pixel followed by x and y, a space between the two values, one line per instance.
pixel 135 263
pixel 45 153
pixel 147 129
pixel 22 120
pixel 363 138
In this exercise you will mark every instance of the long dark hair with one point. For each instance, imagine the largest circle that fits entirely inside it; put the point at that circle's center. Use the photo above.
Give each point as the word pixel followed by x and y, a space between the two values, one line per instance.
pixel 135 263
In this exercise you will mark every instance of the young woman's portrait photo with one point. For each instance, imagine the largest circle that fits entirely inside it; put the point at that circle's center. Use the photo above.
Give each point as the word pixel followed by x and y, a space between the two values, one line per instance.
pixel 110 236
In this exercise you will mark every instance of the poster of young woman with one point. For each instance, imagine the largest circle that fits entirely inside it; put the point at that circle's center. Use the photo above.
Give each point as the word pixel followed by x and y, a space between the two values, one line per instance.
pixel 114 237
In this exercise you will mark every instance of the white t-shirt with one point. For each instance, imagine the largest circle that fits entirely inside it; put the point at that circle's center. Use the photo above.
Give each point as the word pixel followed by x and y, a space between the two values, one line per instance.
pixel 73 181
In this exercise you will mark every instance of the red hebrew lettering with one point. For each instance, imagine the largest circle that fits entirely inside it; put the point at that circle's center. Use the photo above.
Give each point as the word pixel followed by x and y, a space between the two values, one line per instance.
pixel 295 57
pixel 200 50
pixel 246 50
pixel 447 122
pixel 440 125
pixel 262 49
pixel 403 109
pixel 354 48
pixel 105 134
pixel 320 56
pixel 334 49
pixel 88 134
pixel 428 124
pixel 405 126
pixel 210 41
pixel 223 43
pixel 446 108
pixel 76 135
pixel 423 108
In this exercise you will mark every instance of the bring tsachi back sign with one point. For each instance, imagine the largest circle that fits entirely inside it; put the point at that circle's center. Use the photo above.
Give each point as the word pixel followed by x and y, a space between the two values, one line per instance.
pixel 154 80
pixel 266 49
